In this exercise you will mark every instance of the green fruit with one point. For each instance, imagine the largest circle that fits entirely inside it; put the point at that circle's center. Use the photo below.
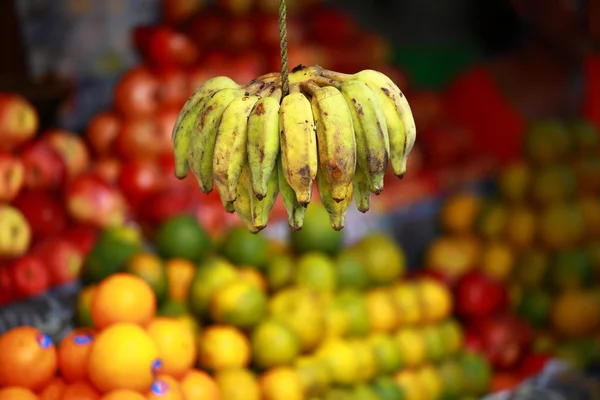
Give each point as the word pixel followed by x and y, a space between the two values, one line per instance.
pixel 452 380
pixel 477 374
pixel 585 136
pixel 355 307
pixel 547 141
pixel 280 272
pixel 182 237
pixel 209 277
pixel 381 256
pixel 535 306
pixel 571 269
pixel 273 344
pixel 351 273
pixel 244 248
pixel 387 353
pixel 434 343
pixel 553 183
pixel 316 234
pixel 172 308
pixel 316 271
pixel 386 389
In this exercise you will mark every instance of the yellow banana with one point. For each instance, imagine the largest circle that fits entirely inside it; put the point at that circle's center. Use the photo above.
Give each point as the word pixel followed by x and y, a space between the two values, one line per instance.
pixel 263 142
pixel 230 153
pixel 242 203
pixel 370 131
pixel 298 144
pixel 337 210
pixel 295 210
pixel 262 208
pixel 184 125
pixel 335 137
pixel 362 192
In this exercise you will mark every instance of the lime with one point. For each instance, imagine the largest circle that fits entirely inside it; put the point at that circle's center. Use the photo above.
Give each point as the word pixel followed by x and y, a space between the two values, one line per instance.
pixel 342 360
pixel 172 308
pixel 571 269
pixel 387 353
pixel 238 303
pixel 434 343
pixel 316 234
pixel 364 392
pixel 83 316
pixel 182 237
pixel 316 271
pixel 244 248
pixel 150 268
pixel 208 278
pixel 351 273
pixel 314 375
pixel 383 259
pixel 386 389
pixel 355 307
pixel 280 272
pixel 477 374
pixel 452 378
pixel 113 249
pixel 273 344
pixel 535 307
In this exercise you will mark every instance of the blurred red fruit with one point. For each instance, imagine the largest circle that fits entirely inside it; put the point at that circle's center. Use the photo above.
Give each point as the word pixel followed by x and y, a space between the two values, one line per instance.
pixel 42 210
pixel 139 139
pixel 44 168
pixel 30 276
pixel 477 295
pixel 139 179
pixel 136 93
pixel 168 48
pixel 71 148
pixel 62 259
pixel 176 12
pixel 81 236
pixel 101 132
pixel 12 176
pixel 107 168
pixel 174 87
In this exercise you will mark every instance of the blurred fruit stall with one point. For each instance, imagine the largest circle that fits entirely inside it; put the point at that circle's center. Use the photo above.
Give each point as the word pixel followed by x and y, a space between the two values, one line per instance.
pixel 118 278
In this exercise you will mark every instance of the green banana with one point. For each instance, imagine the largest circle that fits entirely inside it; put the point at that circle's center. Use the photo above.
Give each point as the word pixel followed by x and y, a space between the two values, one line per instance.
pixel 362 192
pixel 260 209
pixel 295 210
pixel 242 203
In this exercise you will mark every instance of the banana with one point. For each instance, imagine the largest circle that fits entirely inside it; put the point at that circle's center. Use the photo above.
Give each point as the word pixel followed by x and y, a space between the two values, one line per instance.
pixel 295 210
pixel 242 203
pixel 263 142
pixel 184 125
pixel 260 209
pixel 230 153
pixel 298 143
pixel 370 131
pixel 362 192
pixel 335 137
pixel 337 210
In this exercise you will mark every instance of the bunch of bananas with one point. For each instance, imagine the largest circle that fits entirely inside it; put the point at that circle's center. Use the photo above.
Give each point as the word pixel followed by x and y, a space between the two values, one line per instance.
pixel 251 143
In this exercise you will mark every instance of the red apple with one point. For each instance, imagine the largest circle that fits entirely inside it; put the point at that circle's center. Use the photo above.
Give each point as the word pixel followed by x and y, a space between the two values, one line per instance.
pixel 138 180
pixel 90 200
pixel 30 276
pixel 207 28
pixel 62 258
pixel 165 204
pixel 141 36
pixel 246 66
pixel 178 11
pixel 166 118
pixel 81 236
pixel 332 26
pixel 139 139
pixel 174 87
pixel 478 295
pixel 168 48
pixel 72 149
pixel 7 286
pixel 45 215
pixel 136 93
pixel 12 176
pixel 504 380
pixel 18 121
pixel 108 169
pixel 532 364
pixel 44 167
pixel 15 233
pixel 101 132
pixel 236 7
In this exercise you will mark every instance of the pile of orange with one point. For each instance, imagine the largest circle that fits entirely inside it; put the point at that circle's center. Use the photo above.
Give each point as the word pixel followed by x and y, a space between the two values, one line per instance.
pixel 129 354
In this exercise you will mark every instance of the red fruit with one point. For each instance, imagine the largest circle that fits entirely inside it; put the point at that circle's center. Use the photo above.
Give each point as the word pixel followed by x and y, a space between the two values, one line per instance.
pixel 136 93
pixel 44 213
pixel 138 180
pixel 428 108
pixel 532 364
pixel 12 176
pixel 174 87
pixel 241 32
pixel 90 200
pixel 82 236
pixel 444 145
pixel 267 30
pixel 101 132
pixel 44 168
pixel 477 295
pixel 62 259
pixel 107 168
pixel 236 7
pixel 72 150
pixel 6 286
pixel 207 28
pixel 332 26
pixel 166 118
pixel 30 276
pixel 141 36
pixel 246 66
pixel 167 48
pixel 139 139
pixel 18 121
pixel 178 11
pixel 473 342
pixel 163 205
pixel 503 380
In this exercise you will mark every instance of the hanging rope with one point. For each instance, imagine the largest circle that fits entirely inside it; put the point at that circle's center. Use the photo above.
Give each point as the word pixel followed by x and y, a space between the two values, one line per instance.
pixel 283 48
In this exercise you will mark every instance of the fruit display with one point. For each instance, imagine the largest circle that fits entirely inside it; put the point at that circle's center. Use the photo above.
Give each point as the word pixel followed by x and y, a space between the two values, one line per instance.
pixel 304 320
pixel 523 260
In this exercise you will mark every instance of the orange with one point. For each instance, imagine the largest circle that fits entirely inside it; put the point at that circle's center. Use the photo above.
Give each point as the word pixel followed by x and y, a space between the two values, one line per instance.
pixel 27 358
pixel 166 388
pixel 251 274
pixel 73 354
pixel 123 297
pixel 459 213
pixel 176 345
pixel 80 390
pixel 122 394
pixel 54 389
pixel 198 385
pixel 180 273
pixel 17 393
pixel 123 356
pixel 223 347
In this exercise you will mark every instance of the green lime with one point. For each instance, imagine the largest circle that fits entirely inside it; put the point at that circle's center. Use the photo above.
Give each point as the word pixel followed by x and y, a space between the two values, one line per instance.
pixel 387 353
pixel 182 237
pixel 571 269
pixel 209 277
pixel 351 273
pixel 364 392
pixel 280 272
pixel 477 374
pixel 316 271
pixel 238 303
pixel 382 257
pixel 273 344
pixel 355 307
pixel 244 248
pixel 386 389
pixel 316 234
pixel 172 308
pixel 535 306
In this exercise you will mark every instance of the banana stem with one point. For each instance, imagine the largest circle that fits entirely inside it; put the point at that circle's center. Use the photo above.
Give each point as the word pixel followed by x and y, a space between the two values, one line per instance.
pixel 310 86
pixel 335 76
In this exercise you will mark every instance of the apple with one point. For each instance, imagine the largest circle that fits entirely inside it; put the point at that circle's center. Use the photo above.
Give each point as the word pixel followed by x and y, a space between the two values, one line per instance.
pixel 30 276
pixel 12 176
pixel 166 118
pixel 533 364
pixel 174 87
pixel 332 26
pixel 140 138
pixel 81 236
pixel 504 381
pixel 43 212
pixel 62 258
pixel 162 205
pixel 168 48
pixel 15 233
pixel 478 295
pixel 246 66
pixel 72 149
pixel 101 132
pixel 138 180
pixel 207 28
pixel 18 121
pixel 44 167
pixel 7 286
pixel 91 200
pixel 236 7
pixel 177 11
pixel 136 93
pixel 140 38
pixel 107 168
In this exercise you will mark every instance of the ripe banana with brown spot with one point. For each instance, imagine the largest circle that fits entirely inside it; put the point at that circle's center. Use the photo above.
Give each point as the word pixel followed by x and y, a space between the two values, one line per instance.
pixel 230 152
pixel 295 210
pixel 184 125
pixel 362 192
pixel 298 143
pixel 242 203
pixel 337 210
pixel 370 132
pixel 263 142
pixel 260 209
pixel 335 137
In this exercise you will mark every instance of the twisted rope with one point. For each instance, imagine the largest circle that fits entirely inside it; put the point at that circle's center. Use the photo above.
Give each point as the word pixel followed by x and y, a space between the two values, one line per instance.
pixel 283 51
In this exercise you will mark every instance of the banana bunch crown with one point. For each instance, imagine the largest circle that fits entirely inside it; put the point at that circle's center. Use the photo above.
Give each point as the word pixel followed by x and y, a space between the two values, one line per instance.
pixel 335 132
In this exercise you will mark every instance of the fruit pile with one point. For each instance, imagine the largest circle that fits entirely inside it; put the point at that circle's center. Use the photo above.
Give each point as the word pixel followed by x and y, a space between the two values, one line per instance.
pixel 524 261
